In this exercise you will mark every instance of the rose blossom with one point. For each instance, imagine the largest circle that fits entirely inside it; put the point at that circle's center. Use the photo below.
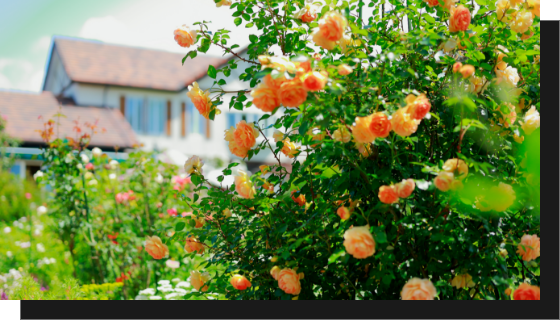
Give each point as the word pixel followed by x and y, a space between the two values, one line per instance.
pixel 444 180
pixel 526 291
pixel 457 66
pixel 388 194
pixel 342 134
pixel 300 200
pixel 288 281
pixel 226 3
pixel 172 212
pixel 275 272
pixel 193 245
pixel 361 129
pixel 467 71
pixel 502 197
pixel 244 186
pixel 359 242
pixel 265 98
pixel 199 279
pixel 529 247
pixel 193 164
pixel 314 81
pixel 532 121
pixel 522 21
pixel 239 282
pixel 405 188
pixel 292 93
pixel 403 123
pixel 344 69
pixel 307 13
pixel 418 289
pixel 201 100
pixel 460 19
pixel 343 213
pixel 156 248
pixel 245 135
pixel 419 107
pixel 509 76
pixel 184 36
pixel 380 125
pixel 458 165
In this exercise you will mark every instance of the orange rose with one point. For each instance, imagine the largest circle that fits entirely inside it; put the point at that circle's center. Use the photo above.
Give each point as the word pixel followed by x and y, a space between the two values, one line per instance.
pixel 403 124
pixel 343 213
pixel 303 66
pixel 380 125
pixel 274 83
pixel 288 281
pixel 522 21
pixel 344 69
pixel 289 149
pixel 388 194
pixel 237 150
pixel 239 282
pixel 265 98
pixel 443 181
pixel 447 3
pixel 458 165
pixel 321 41
pixel 156 248
pixel 198 280
pixel 457 66
pixel 529 247
pixel 300 200
pixel 460 19
pixel 342 134
pixel 307 14
pixel 201 100
pixel 418 289
pixel 508 292
pixel 226 3
pixel 526 291
pixel 314 81
pixel 184 36
pixel 245 135
pixel 361 129
pixel 193 245
pixel 292 93
pixel 244 186
pixel 275 272
pixel 535 6
pixel 359 242
pixel 467 71
pixel 405 188
pixel 332 26
pixel 264 169
pixel 419 107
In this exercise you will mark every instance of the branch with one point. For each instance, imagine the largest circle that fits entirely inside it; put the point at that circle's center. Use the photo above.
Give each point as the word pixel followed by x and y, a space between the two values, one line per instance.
pixel 225 48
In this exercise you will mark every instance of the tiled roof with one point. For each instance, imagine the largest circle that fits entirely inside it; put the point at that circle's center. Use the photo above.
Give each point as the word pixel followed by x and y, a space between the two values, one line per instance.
pixel 98 62
pixel 24 109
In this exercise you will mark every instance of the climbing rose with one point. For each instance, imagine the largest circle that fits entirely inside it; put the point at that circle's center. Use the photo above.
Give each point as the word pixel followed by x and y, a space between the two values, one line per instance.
pixel 443 181
pixel 359 242
pixel 529 247
pixel 244 186
pixel 342 134
pixel 522 21
pixel 509 76
pixel 239 282
pixel 388 194
pixel 201 100
pixel 245 135
pixel 535 6
pixel 343 213
pixel 193 164
pixel 361 129
pixel 405 188
pixel 292 94
pixel 501 197
pixel 459 19
pixel 458 165
pixel 331 29
pixel 526 291
pixel 467 71
pixel 199 279
pixel 462 281
pixel 265 98
pixel 403 124
pixel 184 36
pixel 344 69
pixel 380 126
pixel 419 107
pixel 156 248
pixel 275 272
pixel 278 136
pixel 457 66
pixel 288 281
pixel 314 81
pixel 223 3
pixel 193 245
pixel 300 200
pixel 307 13
pixel 532 120
pixel 418 289
pixel 237 150
pixel 289 149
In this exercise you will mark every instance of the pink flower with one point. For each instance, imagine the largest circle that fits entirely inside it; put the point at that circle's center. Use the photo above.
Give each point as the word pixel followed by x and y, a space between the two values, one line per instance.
pixel 172 212
pixel 28 195
pixel 89 166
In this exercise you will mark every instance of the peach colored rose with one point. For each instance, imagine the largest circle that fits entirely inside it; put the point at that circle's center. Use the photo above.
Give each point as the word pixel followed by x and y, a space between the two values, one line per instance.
pixel 457 66
pixel 239 282
pixel 245 135
pixel 527 36
pixel 361 129
pixel 193 164
pixel 344 69
pixel 419 107
pixel 359 242
pixel 201 100
pixel 447 3
pixel 443 181
pixel 458 165
pixel 526 291
pixel 275 272
pixel 288 281
pixel 227 213
pixel 388 194
pixel 268 186
pixel 432 3
pixel 274 83
pixel 278 136
pixel 380 126
pixel 529 247
pixel 264 169
pixel 460 19
pixel 321 41
pixel 192 245
pixel 265 98
pixel 156 248
pixel 535 6
pixel 477 85
pixel 501 197
pixel 508 75
pixel 405 188
pixel 403 124
pixel 522 21
pixel 342 134
pixel 289 149
pixel 314 81
pixel 244 186
pixel 418 289
pixel 467 71
pixel 226 3
pixel 463 281
pixel 364 149
pixel 307 14
pixel 332 26
pixel 237 150
pixel 532 121
pixel 184 36
pixel 292 93
pixel 343 213
pixel 198 280
pixel 502 6
pixel 300 200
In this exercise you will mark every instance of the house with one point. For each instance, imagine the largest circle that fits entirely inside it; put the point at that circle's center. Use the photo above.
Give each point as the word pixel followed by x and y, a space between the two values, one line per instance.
pixel 138 95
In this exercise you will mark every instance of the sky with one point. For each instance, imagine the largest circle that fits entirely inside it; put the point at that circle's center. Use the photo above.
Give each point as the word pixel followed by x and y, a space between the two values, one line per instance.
pixel 27 28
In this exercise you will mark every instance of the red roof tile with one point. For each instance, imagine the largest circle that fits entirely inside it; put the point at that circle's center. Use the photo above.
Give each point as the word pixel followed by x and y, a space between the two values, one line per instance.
pixel 24 109
pixel 98 62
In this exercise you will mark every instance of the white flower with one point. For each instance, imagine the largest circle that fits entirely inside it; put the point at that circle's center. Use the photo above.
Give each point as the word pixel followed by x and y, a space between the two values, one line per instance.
pixel 165 289
pixel 25 245
pixel 181 291
pixel 52 260
pixel 85 158
pixel 41 210
pixel 172 264
pixel 148 291
pixel 164 282
pixel 171 295
pixel 79 166
pixel 38 174
pixel 7 230
pixel 175 280
pixel 532 120
pixel 96 152
pixel 92 182
pixel 9 254
pixel 114 164
pixel 159 178
pixel 183 284
pixel 112 176
pixel 509 75
pixel 40 247
pixel 194 164
pixel 155 298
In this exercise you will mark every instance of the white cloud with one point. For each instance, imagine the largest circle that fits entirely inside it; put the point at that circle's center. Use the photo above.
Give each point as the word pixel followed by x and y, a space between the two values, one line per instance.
pixel 19 74
pixel 43 44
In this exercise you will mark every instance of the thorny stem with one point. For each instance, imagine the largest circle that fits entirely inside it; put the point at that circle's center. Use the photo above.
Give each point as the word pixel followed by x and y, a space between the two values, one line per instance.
pixel 225 48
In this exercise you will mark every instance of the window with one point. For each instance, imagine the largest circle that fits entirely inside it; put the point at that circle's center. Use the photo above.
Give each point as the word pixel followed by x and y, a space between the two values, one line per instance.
pixel 196 122
pixel 157 115
pixel 147 117
pixel 134 113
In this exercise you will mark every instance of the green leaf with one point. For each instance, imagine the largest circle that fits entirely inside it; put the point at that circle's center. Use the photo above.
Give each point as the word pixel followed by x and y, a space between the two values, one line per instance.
pixel 253 38
pixel 237 21
pixel 335 256
pixel 428 18
pixel 179 226
pixel 212 72
pixel 379 234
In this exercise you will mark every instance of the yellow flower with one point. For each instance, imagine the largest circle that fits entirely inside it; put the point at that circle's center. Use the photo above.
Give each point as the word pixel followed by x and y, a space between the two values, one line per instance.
pixel 532 120
pixel 193 164
pixel 463 281
pixel 201 100
pixel 342 134
pixel 244 185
